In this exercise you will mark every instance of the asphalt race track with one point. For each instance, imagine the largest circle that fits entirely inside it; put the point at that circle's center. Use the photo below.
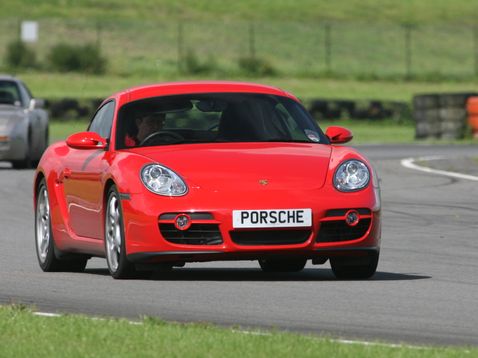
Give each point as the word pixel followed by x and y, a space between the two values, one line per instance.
pixel 425 290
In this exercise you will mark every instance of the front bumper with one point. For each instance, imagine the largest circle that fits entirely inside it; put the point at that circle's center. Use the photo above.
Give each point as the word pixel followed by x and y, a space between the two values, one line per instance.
pixel 12 147
pixel 146 215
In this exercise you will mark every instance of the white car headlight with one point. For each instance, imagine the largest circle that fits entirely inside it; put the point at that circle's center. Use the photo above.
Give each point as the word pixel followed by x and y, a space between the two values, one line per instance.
pixel 162 181
pixel 351 175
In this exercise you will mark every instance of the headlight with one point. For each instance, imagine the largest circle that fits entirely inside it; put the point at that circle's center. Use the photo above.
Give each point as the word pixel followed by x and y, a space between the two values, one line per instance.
pixel 351 175
pixel 162 181
pixel 5 126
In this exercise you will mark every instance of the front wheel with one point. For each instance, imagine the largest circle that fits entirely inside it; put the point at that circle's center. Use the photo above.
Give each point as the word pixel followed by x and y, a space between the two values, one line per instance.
pixel 44 242
pixel 115 246
pixel 350 268
pixel 284 265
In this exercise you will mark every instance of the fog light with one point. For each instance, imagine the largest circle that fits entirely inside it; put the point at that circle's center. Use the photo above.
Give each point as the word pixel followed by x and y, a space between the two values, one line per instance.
pixel 352 218
pixel 182 222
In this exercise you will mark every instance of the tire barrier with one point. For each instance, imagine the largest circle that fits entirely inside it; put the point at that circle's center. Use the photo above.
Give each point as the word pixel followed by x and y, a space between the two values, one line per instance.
pixel 441 116
pixel 373 109
pixel 472 110
pixel 71 109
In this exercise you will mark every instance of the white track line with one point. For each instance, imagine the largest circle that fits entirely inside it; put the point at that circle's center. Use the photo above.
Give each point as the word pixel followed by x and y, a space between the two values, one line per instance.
pixel 343 341
pixel 46 314
pixel 410 163
pixel 262 333
pixel 378 344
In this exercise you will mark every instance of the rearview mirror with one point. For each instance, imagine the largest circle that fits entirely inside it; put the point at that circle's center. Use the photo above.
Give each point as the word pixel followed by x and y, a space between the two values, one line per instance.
pixel 338 135
pixel 36 103
pixel 86 140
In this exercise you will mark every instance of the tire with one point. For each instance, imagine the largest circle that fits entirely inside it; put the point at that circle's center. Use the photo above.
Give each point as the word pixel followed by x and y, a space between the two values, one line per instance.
pixel 351 268
pixel 454 100
pixel 115 246
pixel 284 265
pixel 47 253
pixel 25 163
pixel 426 101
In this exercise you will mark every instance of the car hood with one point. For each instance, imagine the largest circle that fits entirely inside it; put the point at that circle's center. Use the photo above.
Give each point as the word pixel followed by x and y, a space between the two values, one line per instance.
pixel 245 166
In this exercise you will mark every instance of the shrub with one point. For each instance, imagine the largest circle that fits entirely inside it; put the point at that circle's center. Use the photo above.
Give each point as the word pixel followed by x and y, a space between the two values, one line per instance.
pixel 256 66
pixel 18 55
pixel 72 58
pixel 192 64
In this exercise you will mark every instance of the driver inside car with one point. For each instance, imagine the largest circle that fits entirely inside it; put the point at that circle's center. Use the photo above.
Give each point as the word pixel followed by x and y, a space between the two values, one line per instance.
pixel 145 126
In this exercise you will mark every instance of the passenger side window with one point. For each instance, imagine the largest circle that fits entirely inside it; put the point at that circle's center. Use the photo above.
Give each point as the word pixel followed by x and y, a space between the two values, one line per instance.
pixel 25 94
pixel 103 120
pixel 289 121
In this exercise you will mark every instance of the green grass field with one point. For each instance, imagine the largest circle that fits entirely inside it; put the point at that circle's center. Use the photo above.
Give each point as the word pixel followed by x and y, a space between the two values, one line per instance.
pixel 24 335
pixel 367 39
pixel 427 11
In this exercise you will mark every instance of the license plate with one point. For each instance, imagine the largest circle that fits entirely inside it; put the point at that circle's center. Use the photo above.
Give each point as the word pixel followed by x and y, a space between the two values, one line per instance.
pixel 272 218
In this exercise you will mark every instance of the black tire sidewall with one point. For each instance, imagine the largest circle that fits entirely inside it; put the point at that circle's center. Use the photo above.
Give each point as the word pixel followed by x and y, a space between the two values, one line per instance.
pixel 345 271
pixel 284 265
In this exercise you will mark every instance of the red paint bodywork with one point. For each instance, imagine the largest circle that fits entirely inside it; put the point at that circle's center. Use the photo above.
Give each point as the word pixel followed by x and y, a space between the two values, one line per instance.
pixel 221 177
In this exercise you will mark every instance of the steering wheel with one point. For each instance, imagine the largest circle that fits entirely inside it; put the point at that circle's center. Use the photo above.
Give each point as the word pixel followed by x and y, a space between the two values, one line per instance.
pixel 162 137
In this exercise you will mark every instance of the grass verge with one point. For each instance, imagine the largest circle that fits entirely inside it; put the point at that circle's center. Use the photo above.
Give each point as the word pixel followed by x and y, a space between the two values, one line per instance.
pixel 61 130
pixel 375 132
pixel 53 85
pixel 26 335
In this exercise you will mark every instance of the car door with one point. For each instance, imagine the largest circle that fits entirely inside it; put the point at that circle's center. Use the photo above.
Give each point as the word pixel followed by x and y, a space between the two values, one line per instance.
pixel 82 177
pixel 34 120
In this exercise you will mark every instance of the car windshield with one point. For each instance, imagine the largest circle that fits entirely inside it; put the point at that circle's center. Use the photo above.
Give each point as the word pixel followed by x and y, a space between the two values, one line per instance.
pixel 9 92
pixel 215 117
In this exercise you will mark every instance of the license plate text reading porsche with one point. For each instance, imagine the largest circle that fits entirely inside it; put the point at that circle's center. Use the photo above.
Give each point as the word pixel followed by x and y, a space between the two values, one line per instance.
pixel 272 218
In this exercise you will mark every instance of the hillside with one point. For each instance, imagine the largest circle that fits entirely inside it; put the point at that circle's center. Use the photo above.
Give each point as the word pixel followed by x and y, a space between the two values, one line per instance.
pixel 317 47
pixel 404 11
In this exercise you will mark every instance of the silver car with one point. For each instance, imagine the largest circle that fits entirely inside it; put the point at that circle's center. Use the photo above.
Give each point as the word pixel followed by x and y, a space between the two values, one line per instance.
pixel 23 124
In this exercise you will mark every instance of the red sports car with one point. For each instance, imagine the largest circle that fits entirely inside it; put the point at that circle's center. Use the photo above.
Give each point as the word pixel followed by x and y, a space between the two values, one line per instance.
pixel 201 171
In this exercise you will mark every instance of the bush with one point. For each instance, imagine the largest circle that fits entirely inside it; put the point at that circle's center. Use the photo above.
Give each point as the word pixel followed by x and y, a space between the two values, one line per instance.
pixel 192 64
pixel 19 55
pixel 256 66
pixel 72 58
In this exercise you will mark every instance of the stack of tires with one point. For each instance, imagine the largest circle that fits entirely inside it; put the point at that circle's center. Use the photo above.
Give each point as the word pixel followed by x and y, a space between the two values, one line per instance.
pixel 441 116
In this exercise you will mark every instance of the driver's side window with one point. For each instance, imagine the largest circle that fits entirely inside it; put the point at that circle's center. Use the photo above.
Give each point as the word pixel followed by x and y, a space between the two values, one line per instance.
pixel 103 120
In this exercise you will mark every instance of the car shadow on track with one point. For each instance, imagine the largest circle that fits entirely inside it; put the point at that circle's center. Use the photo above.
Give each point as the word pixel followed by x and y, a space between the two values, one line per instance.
pixel 252 274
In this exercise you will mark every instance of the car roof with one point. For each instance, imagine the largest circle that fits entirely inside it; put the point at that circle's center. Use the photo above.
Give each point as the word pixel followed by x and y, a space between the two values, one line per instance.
pixel 8 78
pixel 176 88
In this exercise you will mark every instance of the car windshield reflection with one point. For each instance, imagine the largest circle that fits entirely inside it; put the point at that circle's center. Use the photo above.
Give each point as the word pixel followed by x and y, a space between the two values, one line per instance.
pixel 217 117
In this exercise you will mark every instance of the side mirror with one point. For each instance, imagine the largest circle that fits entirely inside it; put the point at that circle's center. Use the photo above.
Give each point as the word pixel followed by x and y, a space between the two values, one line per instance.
pixel 338 135
pixel 36 103
pixel 86 140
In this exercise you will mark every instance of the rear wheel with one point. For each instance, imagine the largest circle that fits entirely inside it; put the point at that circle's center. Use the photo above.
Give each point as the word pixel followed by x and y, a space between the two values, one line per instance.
pixel 115 245
pixel 282 265
pixel 350 268
pixel 44 242
pixel 23 164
